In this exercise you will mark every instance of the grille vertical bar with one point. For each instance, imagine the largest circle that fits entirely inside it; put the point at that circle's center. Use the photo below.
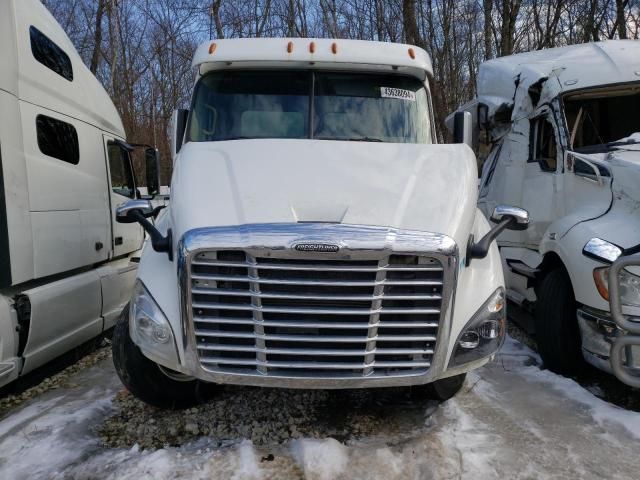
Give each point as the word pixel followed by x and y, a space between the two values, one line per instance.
pixel 374 319
pixel 256 303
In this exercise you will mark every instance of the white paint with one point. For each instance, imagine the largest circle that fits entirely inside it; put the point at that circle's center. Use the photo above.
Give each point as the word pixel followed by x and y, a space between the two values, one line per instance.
pixel 58 214
pixel 350 55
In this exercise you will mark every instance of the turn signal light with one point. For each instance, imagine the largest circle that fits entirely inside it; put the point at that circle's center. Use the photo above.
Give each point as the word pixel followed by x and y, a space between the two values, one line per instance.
pixel 601 278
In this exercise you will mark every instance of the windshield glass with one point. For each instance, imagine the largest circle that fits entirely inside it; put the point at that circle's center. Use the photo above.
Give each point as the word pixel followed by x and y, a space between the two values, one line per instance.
pixel 598 119
pixel 231 105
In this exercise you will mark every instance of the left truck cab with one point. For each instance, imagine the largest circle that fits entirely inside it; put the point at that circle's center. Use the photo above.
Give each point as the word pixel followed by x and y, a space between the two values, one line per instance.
pixel 65 270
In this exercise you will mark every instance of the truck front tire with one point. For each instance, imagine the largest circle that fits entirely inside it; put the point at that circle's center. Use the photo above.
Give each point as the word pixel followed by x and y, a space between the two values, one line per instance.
pixel 146 380
pixel 441 390
pixel 557 330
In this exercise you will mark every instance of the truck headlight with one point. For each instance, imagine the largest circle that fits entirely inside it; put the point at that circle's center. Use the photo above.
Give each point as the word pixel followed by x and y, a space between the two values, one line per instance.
pixel 629 286
pixel 150 329
pixel 484 333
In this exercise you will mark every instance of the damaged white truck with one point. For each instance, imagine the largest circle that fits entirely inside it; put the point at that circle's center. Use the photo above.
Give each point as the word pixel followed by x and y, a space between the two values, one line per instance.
pixel 317 237
pixel 564 132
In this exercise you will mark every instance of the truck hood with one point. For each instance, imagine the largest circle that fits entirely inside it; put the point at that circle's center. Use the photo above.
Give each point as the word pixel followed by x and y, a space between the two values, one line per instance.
pixel 430 188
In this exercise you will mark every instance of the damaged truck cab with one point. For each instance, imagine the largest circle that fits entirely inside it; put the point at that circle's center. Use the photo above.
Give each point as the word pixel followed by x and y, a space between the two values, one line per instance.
pixel 317 235
pixel 564 135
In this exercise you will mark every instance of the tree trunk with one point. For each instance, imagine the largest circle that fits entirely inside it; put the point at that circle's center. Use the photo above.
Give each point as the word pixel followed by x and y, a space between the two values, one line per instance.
pixel 410 23
pixel 97 38
pixel 488 8
pixel 621 21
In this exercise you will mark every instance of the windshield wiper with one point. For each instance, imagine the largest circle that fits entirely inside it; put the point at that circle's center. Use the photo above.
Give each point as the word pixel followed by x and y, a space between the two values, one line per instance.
pixel 351 139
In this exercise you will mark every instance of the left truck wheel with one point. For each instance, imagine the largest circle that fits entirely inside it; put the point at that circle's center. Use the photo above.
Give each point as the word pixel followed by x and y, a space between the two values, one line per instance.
pixel 146 380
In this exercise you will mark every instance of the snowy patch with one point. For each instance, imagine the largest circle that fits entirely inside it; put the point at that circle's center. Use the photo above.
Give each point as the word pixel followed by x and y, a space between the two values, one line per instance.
pixel 602 412
pixel 320 459
pixel 511 420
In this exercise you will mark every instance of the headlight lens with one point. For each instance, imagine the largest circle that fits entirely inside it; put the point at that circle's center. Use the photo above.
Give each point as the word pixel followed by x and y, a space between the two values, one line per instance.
pixel 629 286
pixel 484 333
pixel 150 329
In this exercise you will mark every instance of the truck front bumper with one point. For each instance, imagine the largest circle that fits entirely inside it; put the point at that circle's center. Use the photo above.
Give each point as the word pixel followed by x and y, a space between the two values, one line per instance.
pixel 598 332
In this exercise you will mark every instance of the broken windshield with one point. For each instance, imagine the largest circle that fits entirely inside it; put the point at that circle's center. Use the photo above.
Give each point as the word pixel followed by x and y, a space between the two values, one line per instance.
pixel 363 107
pixel 599 120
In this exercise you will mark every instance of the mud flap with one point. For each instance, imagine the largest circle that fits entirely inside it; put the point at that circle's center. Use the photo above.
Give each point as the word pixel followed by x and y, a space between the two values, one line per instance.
pixel 625 351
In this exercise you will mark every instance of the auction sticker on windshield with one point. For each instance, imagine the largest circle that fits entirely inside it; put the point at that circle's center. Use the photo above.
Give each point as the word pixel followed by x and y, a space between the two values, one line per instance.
pixel 399 93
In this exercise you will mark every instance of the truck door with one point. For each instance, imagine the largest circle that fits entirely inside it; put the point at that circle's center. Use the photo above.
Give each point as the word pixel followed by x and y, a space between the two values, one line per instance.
pixel 542 178
pixel 125 238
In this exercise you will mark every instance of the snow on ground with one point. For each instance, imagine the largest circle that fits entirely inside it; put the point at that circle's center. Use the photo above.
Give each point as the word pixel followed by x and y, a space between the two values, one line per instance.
pixel 512 420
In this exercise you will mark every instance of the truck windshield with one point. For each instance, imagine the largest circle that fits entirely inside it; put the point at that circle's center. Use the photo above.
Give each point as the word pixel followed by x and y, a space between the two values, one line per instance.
pixel 230 105
pixel 598 119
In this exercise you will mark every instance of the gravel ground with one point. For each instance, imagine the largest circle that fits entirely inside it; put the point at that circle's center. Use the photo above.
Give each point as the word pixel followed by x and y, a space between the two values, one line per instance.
pixel 266 417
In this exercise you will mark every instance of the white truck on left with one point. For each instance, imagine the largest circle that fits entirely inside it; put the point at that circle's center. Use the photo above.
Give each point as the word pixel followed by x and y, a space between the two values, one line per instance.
pixel 65 269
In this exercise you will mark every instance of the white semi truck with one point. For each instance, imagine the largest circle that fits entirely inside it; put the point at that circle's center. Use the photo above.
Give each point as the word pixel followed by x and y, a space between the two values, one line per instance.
pixel 317 235
pixel 65 270
pixel 564 131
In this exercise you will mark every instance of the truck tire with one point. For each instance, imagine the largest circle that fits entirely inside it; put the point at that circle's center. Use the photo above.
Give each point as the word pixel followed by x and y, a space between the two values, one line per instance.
pixel 146 380
pixel 556 323
pixel 441 390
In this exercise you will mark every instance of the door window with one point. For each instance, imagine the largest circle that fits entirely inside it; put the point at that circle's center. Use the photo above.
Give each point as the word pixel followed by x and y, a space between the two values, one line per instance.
pixel 545 150
pixel 122 181
pixel 489 168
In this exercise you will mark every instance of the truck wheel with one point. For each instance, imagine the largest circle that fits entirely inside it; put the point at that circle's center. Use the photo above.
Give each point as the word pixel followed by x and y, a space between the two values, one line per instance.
pixel 441 390
pixel 557 331
pixel 148 381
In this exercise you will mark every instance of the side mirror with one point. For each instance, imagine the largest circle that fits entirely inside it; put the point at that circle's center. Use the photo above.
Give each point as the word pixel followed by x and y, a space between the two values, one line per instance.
pixel 507 218
pixel 152 170
pixel 138 211
pixel 179 125
pixel 122 212
pixel 601 250
pixel 519 217
pixel 462 128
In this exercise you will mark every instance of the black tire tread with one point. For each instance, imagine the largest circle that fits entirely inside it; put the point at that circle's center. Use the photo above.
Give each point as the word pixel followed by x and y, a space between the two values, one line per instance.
pixel 440 390
pixel 557 331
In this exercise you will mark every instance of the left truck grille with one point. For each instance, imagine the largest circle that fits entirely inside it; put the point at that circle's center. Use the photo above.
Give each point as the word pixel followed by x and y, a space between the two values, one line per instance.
pixel 315 317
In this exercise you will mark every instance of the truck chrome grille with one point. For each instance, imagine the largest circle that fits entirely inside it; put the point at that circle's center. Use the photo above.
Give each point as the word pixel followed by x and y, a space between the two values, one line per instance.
pixel 311 317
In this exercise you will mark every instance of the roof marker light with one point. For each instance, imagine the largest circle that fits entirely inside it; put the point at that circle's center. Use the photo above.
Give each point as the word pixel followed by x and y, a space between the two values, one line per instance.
pixel 289 47
pixel 212 48
pixel 334 48
pixel 412 54
pixel 312 47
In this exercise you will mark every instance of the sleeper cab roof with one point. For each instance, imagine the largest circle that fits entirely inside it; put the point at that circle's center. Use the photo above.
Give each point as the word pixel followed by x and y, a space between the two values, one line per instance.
pixel 313 53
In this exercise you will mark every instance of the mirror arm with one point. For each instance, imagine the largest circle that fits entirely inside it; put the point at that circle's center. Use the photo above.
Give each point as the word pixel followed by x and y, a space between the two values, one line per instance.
pixel 158 242
pixel 631 250
pixel 480 249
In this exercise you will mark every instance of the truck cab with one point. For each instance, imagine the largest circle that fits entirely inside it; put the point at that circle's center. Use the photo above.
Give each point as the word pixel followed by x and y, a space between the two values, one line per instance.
pixel 563 135
pixel 65 270
pixel 317 235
